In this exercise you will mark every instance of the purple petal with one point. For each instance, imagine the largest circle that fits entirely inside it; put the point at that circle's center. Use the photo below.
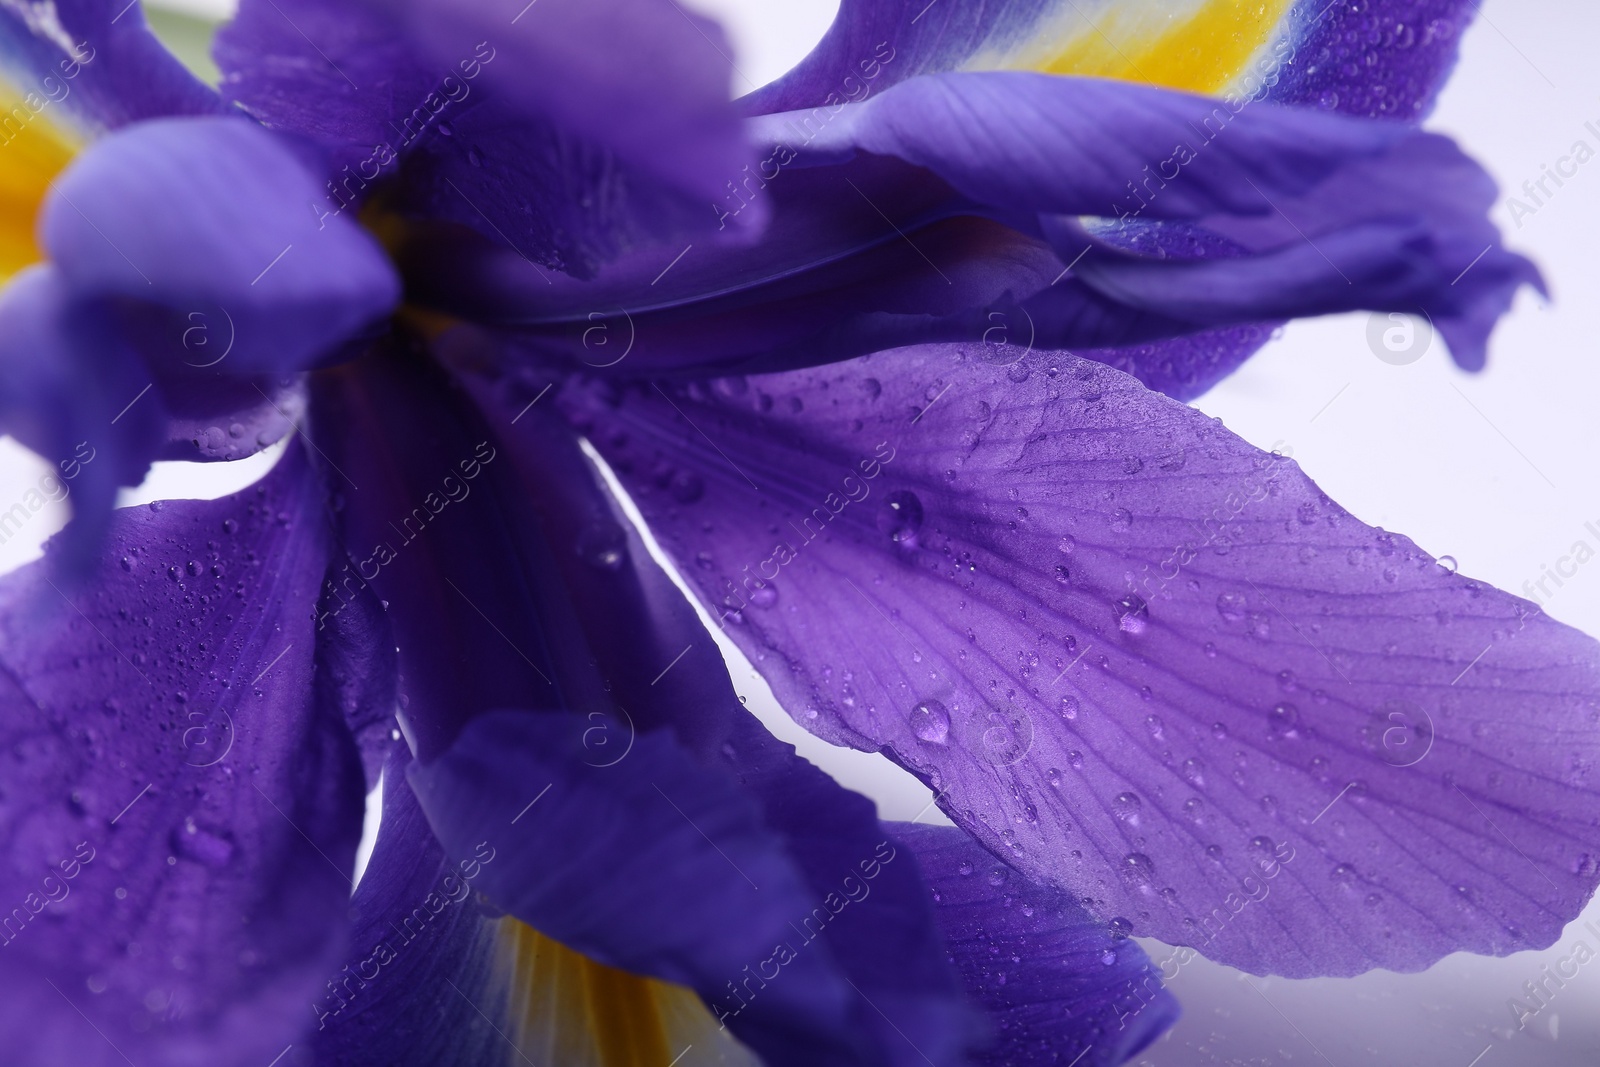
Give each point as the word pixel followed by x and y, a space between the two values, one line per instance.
pixel 414 928
pixel 247 250
pixel 73 392
pixel 341 75
pixel 1050 977
pixel 99 60
pixel 1134 654
pixel 181 814
pixel 869 910
pixel 641 865
pixel 1381 59
pixel 535 561
pixel 1337 213
pixel 1385 59
pixel 215 418
pixel 357 674
pixel 1304 214
pixel 646 81
pixel 559 144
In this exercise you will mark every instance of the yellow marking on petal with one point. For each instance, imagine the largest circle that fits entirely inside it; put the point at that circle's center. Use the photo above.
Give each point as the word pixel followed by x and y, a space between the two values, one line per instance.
pixel 1201 48
pixel 33 150
pixel 567 1009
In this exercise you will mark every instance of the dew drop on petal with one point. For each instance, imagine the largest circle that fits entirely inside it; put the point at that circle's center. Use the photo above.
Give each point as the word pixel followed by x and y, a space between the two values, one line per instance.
pixel 1138 868
pixel 1283 721
pixel 901 517
pixel 930 721
pixel 1231 606
pixel 604 546
pixel 1133 614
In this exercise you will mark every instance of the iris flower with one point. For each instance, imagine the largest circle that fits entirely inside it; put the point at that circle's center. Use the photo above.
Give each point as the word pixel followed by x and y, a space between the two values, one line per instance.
pixel 891 355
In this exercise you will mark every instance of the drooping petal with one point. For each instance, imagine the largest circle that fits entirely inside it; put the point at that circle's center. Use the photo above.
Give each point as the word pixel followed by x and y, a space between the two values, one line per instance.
pixel 1331 213
pixel 97 60
pixel 246 248
pixel 1054 981
pixel 73 392
pixel 1134 654
pixel 1376 59
pixel 639 865
pixel 181 814
pixel 421 926
pixel 1223 219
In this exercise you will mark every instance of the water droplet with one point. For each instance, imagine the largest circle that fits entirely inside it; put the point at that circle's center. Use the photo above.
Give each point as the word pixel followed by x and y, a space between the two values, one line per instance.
pixel 1121 929
pixel 964 868
pixel 930 721
pixel 997 877
pixel 1126 805
pixel 1133 614
pixel 1132 464
pixel 1062 574
pixel 901 517
pixel 1446 564
pixel 603 545
pixel 1138 868
pixel 1194 771
pixel 1121 520
pixel 1219 731
pixel 209 849
pixel 1343 873
pixel 1067 545
pixel 230 526
pixel 1231 606
pixel 1283 721
pixel 764 596
pixel 1069 707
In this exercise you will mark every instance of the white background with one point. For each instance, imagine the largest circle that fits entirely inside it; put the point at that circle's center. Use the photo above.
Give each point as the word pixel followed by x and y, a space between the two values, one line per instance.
pixel 1496 469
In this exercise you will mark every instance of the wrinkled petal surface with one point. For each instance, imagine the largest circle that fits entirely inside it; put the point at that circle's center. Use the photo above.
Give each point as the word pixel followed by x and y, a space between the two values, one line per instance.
pixel 181 815
pixel 1137 657
pixel 1056 984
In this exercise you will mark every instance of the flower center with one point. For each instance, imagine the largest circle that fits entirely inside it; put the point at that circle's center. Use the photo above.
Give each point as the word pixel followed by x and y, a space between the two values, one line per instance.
pixel 33 150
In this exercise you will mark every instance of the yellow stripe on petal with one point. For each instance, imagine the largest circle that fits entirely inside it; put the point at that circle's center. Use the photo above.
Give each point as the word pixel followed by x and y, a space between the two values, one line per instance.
pixel 1202 46
pixel 567 1009
pixel 33 150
